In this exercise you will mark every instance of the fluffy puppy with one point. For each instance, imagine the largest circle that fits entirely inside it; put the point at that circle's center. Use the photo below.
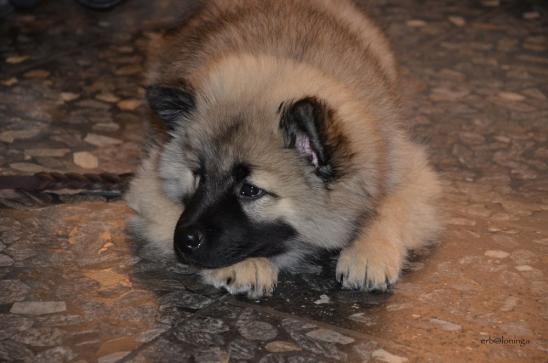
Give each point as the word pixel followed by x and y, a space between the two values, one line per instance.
pixel 282 137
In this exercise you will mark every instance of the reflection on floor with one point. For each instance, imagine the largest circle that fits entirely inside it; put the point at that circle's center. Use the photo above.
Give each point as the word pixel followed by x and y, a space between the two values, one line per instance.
pixel 72 288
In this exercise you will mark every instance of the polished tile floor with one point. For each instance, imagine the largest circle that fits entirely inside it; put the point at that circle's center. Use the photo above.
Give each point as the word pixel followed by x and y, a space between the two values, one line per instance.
pixel 74 287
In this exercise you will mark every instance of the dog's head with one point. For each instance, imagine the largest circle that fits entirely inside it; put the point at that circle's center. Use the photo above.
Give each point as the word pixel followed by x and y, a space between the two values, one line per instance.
pixel 257 179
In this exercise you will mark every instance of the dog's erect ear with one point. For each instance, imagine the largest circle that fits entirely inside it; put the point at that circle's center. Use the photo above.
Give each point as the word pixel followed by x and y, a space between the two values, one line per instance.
pixel 307 126
pixel 170 103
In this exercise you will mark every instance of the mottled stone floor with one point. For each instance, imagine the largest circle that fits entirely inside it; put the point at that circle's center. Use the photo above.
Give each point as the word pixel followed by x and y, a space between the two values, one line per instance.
pixel 72 287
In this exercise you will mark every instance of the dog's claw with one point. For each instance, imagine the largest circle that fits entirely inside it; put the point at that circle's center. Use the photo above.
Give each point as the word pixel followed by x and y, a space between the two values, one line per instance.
pixel 388 284
pixel 368 271
pixel 254 277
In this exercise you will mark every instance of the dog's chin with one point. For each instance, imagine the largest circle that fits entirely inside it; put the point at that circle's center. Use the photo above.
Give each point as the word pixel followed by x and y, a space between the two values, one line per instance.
pixel 209 264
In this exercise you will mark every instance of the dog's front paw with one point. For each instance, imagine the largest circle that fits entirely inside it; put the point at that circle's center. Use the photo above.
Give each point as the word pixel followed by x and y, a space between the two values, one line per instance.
pixel 372 269
pixel 256 277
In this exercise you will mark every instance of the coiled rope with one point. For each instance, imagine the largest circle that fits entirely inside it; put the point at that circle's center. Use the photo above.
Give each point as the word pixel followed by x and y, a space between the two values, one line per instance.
pixel 18 191
pixel 56 181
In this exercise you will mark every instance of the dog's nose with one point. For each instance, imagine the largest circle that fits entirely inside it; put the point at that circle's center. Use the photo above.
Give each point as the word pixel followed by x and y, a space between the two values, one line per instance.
pixel 193 239
pixel 189 239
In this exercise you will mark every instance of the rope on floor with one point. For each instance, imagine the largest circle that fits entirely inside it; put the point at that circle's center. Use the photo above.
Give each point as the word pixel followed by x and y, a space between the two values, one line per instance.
pixel 23 191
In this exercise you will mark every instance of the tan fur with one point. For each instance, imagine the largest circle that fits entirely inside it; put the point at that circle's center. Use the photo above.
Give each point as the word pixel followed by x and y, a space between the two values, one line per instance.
pixel 407 218
pixel 256 277
pixel 156 215
pixel 246 57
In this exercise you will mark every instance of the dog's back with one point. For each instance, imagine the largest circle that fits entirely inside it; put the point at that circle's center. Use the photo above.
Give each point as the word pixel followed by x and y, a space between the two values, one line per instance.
pixel 335 37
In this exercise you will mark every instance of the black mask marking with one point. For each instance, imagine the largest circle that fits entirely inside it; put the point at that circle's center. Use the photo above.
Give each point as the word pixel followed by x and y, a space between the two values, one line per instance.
pixel 229 235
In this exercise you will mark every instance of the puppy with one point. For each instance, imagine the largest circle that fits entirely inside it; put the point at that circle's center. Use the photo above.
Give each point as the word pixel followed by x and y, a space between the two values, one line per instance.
pixel 282 136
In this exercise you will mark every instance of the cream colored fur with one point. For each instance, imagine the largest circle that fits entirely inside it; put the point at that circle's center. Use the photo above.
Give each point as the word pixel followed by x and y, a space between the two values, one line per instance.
pixel 156 214
pixel 242 69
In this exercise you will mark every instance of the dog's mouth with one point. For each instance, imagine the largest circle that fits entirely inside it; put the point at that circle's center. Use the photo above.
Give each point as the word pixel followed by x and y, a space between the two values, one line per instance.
pixel 184 259
pixel 213 259
pixel 206 263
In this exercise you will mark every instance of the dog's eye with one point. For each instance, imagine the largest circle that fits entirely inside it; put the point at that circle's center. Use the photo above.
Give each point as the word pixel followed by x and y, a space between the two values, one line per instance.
pixel 251 191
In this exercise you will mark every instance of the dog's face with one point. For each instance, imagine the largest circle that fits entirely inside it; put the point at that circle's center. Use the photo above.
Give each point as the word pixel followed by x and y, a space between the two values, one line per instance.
pixel 254 181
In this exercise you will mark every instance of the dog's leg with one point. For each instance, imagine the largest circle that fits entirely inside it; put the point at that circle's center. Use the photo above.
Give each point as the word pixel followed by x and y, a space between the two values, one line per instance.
pixel 407 218
pixel 255 276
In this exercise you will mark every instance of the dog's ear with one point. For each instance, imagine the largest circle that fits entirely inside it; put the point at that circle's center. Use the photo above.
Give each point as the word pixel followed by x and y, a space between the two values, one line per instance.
pixel 170 103
pixel 307 126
